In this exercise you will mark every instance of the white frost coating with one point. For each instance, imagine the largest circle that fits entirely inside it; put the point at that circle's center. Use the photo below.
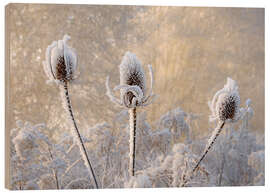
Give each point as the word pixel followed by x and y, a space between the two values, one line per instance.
pixel 79 184
pixel 167 172
pixel 55 51
pixel 248 102
pixel 73 131
pixel 175 121
pixel 142 181
pixel 132 80
pixel 229 91
pixel 158 163
pixel 132 120
pixel 256 160
pixel 64 103
pixel 25 143
pixel 131 67
pixel 135 90
pixel 213 136
pixel 47 63
pixel 109 93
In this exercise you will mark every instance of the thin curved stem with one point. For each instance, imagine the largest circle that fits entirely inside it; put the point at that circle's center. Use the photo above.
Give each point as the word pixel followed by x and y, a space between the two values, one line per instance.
pixel 132 140
pixel 218 131
pixel 79 138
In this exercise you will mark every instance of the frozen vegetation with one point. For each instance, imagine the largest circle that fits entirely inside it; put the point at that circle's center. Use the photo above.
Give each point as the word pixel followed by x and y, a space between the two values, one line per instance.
pixel 172 147
pixel 162 154
pixel 166 152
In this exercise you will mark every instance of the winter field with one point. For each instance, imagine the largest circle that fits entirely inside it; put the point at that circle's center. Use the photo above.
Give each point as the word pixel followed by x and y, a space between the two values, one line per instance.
pixel 135 97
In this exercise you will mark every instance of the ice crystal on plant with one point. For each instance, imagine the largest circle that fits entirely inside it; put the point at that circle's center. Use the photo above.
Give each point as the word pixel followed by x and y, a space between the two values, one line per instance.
pixel 256 161
pixel 237 158
pixel 61 61
pixel 25 143
pixel 131 72
pixel 132 94
pixel 225 103
pixel 132 83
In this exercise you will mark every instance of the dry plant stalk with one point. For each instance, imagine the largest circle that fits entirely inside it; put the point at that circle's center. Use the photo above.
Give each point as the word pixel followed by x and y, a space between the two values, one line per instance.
pixel 60 67
pixel 132 95
pixel 225 108
pixel 132 140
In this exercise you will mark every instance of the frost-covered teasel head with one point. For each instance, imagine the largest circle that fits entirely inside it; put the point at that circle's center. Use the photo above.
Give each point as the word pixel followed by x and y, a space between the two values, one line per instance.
pixel 132 83
pixel 61 61
pixel 131 72
pixel 225 105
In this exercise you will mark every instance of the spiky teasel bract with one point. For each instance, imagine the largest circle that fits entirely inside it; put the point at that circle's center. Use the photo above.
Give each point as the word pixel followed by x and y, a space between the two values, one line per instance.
pixel 225 107
pixel 60 67
pixel 132 94
pixel 132 83
pixel 61 61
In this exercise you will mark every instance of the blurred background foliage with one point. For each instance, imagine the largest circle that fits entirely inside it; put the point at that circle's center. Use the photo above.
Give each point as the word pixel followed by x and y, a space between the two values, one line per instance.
pixel 192 51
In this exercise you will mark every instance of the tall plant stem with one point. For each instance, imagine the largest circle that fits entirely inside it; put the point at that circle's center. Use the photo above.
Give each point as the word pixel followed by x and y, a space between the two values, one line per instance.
pixel 79 138
pixel 132 140
pixel 209 146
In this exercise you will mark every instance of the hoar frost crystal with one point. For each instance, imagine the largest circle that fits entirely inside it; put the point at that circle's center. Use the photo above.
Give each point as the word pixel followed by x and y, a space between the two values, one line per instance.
pixel 132 94
pixel 60 66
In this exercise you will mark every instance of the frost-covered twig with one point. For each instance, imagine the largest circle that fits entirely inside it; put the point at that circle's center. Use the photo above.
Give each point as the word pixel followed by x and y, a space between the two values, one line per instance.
pixel 60 66
pixel 132 94
pixel 70 167
pixel 212 141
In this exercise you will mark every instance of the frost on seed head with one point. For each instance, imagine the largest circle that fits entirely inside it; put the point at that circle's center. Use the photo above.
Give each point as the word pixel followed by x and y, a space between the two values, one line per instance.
pixel 131 71
pixel 61 61
pixel 225 103
pixel 132 83
pixel 131 74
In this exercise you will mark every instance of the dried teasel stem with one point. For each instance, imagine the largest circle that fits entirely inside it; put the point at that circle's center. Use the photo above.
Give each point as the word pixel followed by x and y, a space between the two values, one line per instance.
pixel 79 138
pixel 60 67
pixel 209 146
pixel 132 95
pixel 224 107
pixel 132 140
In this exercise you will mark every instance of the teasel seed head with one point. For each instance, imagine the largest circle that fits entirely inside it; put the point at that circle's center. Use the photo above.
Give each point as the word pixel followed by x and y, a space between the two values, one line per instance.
pixel 61 61
pixel 225 105
pixel 132 83
pixel 131 71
